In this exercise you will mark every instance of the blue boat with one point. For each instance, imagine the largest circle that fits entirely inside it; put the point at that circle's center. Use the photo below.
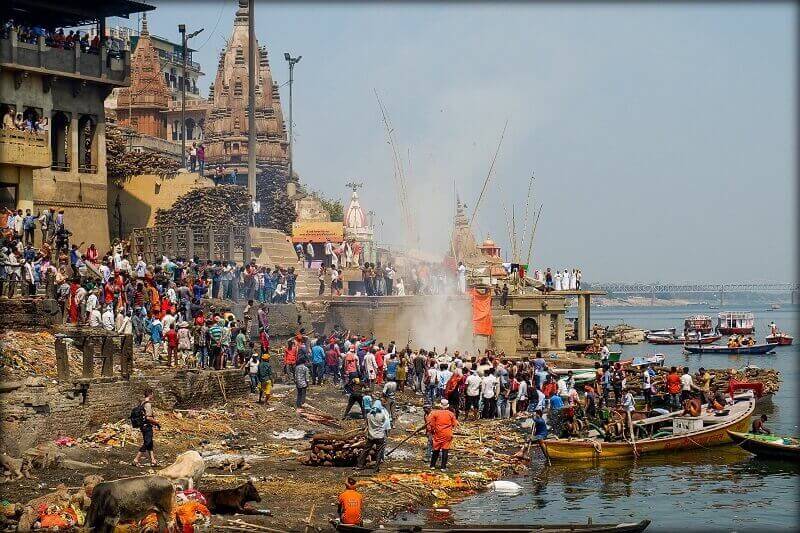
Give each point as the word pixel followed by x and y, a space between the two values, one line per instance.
pixel 756 349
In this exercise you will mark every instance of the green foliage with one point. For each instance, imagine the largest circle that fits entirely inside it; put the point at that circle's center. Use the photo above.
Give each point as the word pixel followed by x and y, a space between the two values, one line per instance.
pixel 333 207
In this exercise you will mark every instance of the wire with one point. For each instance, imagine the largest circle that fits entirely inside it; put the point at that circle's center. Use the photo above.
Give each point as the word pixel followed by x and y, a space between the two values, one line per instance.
pixel 216 24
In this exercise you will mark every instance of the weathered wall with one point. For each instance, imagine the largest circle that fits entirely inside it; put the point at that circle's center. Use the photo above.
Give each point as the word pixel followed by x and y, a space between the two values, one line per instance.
pixel 28 313
pixel 36 410
pixel 141 196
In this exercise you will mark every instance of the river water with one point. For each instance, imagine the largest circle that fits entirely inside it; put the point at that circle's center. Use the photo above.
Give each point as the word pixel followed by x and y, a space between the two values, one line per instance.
pixel 715 489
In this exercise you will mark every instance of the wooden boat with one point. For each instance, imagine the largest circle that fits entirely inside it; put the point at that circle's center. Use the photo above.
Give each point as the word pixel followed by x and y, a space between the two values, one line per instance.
pixel 735 323
pixel 768 446
pixel 704 339
pixel 711 430
pixel 667 332
pixel 781 339
pixel 625 527
pixel 700 324
pixel 756 349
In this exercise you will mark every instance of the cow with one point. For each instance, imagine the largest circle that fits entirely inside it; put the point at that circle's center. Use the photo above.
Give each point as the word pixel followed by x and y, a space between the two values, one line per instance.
pixel 230 501
pixel 129 499
pixel 188 467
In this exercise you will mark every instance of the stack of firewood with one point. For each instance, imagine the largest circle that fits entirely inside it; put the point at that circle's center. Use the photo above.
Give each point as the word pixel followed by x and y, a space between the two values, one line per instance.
pixel 337 449
pixel 221 207
pixel 122 164
pixel 720 377
pixel 277 210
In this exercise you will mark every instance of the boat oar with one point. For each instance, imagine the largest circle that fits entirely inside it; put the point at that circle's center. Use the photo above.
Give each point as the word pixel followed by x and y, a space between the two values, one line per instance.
pixel 405 440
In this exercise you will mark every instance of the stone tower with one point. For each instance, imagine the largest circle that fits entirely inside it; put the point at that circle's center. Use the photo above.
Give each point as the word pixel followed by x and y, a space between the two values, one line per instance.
pixel 142 106
pixel 226 121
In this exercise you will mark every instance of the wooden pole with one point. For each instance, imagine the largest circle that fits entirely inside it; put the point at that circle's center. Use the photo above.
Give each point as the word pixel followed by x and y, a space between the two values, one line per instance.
pixel 488 175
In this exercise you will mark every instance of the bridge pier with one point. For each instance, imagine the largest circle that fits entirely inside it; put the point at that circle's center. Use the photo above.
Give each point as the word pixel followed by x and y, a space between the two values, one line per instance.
pixel 721 296
pixel 795 297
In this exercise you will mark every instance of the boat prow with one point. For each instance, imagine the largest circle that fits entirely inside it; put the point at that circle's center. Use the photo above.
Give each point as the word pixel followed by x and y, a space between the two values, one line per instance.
pixel 768 446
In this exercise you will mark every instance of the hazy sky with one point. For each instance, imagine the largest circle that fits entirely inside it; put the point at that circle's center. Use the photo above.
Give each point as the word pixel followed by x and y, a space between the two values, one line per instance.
pixel 661 136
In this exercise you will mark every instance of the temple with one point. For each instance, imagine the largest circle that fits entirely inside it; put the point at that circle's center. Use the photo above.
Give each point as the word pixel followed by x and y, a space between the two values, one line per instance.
pixel 143 105
pixel 226 122
pixel 358 229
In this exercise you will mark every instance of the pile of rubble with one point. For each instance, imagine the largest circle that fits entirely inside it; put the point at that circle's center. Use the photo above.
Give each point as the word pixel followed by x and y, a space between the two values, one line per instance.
pixel 28 353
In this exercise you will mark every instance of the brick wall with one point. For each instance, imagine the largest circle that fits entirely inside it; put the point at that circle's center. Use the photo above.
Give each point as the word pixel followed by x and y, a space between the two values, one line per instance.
pixel 36 410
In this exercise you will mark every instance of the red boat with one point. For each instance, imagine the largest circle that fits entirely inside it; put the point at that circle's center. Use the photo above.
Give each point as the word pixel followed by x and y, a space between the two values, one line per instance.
pixel 781 339
pixel 735 323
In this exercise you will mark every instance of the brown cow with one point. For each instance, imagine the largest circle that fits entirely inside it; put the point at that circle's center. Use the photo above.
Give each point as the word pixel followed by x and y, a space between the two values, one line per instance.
pixel 230 501
pixel 128 499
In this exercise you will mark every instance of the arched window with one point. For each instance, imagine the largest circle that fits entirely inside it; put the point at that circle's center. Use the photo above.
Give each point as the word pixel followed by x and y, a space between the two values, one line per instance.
pixel 529 330
pixel 87 145
pixel 59 141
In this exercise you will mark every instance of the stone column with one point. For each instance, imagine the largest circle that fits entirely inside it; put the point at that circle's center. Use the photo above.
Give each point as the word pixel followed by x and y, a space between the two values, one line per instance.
pixel 544 331
pixel 100 146
pixel 210 243
pixel 189 242
pixel 561 341
pixel 583 324
pixel 109 347
pixel 62 359
pixel 73 144
pixel 88 357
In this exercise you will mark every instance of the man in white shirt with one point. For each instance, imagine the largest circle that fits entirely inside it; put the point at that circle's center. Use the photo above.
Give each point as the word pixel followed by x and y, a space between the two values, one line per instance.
pixel 462 278
pixel 686 385
pixel 168 321
pixel 328 253
pixel 389 279
pixel 91 302
pixel 489 393
pixel 95 318
pixel 141 267
pixel 473 392
pixel 604 354
pixel 80 299
pixel 108 319
pixel 106 272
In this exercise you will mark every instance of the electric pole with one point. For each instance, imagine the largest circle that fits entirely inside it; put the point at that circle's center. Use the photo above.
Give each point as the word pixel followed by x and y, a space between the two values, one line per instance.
pixel 292 62
pixel 184 52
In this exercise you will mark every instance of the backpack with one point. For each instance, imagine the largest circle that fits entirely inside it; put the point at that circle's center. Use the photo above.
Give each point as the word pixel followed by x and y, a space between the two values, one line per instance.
pixel 138 418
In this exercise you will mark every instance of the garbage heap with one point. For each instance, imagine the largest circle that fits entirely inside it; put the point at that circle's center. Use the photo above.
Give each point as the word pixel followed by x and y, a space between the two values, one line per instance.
pixel 337 449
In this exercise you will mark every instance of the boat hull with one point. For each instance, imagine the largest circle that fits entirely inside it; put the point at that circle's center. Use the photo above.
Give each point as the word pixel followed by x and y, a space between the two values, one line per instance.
pixel 780 340
pixel 766 450
pixel 736 331
pixel 680 340
pixel 757 349
pixel 594 450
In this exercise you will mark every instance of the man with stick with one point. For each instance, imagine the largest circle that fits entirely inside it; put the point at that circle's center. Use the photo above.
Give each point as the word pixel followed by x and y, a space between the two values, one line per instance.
pixel 440 423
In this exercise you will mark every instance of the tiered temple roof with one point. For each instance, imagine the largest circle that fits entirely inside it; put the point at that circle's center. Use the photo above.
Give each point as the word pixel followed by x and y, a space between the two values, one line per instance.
pixel 142 105
pixel 226 126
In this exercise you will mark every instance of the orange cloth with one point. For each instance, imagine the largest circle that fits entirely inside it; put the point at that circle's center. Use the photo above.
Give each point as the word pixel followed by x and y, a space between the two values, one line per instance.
pixel 441 423
pixel 673 383
pixel 549 388
pixel 187 512
pixel 350 503
pixel 482 313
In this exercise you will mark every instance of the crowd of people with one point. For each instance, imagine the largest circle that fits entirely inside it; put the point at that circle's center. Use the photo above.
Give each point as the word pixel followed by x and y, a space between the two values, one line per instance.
pixel 568 280
pixel 29 122
pixel 57 38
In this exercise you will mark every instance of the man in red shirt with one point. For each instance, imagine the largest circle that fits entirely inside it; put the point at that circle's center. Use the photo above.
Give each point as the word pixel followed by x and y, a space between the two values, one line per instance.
pixel 674 388
pixel 379 355
pixel 172 345
pixel 549 387
pixel 289 359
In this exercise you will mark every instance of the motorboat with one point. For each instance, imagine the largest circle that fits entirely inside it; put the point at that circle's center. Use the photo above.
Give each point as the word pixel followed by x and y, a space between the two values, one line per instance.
pixel 697 324
pixel 691 339
pixel 768 446
pixel 780 338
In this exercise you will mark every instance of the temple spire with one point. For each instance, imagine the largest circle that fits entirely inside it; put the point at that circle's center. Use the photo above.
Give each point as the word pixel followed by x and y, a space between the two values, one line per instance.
pixel 144 25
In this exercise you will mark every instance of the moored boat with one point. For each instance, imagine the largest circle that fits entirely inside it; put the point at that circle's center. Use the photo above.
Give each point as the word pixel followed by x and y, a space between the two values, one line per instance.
pixel 624 527
pixel 699 324
pixel 685 433
pixel 781 339
pixel 768 446
pixel 735 323
pixel 755 349
pixel 703 339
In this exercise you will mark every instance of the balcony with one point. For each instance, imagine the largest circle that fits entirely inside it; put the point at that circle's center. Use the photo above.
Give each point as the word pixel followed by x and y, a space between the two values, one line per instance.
pixel 64 63
pixel 24 149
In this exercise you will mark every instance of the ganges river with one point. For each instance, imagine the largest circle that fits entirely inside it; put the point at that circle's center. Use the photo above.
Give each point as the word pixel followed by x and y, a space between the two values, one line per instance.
pixel 716 489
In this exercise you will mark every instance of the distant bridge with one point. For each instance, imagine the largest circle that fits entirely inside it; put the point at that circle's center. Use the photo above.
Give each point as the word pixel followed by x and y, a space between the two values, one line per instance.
pixel 684 288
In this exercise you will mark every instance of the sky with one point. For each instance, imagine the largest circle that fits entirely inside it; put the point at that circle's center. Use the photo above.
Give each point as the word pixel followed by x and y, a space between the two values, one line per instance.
pixel 661 137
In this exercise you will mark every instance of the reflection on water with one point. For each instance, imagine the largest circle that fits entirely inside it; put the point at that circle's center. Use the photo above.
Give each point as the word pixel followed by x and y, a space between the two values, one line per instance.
pixel 718 489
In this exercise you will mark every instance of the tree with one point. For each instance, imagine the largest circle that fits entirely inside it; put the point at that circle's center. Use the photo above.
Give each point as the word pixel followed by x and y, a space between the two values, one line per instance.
pixel 333 207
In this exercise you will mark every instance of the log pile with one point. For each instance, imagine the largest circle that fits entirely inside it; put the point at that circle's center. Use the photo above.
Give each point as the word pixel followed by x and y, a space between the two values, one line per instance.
pixel 220 206
pixel 277 210
pixel 122 164
pixel 337 449
pixel 771 378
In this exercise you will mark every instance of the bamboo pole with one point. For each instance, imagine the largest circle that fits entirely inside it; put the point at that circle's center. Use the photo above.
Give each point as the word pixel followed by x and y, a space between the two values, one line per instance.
pixel 488 175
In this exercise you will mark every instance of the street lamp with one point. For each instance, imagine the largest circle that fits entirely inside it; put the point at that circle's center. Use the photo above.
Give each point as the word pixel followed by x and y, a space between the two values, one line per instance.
pixel 184 39
pixel 292 62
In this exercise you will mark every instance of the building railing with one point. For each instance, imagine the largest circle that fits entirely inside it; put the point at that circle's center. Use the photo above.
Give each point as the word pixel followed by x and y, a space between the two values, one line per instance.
pixel 204 242
pixel 23 148
pixel 87 169
pixel 106 67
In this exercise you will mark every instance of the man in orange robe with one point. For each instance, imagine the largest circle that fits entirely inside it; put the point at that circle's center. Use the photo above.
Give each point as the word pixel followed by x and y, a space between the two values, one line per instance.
pixel 440 423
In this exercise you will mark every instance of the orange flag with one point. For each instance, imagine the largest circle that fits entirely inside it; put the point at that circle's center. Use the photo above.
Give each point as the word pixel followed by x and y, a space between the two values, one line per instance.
pixel 482 313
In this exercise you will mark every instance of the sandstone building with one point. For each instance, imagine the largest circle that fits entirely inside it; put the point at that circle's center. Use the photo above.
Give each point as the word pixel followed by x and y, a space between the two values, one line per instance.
pixel 65 166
